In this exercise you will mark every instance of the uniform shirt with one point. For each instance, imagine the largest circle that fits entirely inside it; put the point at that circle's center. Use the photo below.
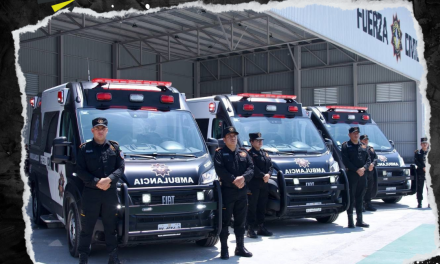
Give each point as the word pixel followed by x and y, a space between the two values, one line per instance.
pixel 355 156
pixel 262 163
pixel 373 156
pixel 100 161
pixel 231 164
pixel 420 160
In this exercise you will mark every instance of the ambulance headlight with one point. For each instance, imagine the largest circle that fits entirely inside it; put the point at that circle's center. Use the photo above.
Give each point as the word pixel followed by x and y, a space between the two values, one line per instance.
pixel 401 162
pixel 146 198
pixel 295 181
pixel 332 179
pixel 208 177
pixel 334 166
pixel 200 196
pixel 406 172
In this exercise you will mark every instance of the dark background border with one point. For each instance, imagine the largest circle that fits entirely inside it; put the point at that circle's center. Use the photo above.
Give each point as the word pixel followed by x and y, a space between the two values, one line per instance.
pixel 15 14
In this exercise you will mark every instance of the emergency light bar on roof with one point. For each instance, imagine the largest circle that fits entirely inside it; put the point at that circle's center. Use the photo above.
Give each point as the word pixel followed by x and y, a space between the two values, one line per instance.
pixel 124 81
pixel 333 107
pixel 274 96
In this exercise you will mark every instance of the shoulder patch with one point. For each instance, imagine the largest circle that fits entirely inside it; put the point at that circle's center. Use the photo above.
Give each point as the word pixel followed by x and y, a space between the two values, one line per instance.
pixel 363 146
pixel 217 149
pixel 416 151
pixel 83 144
pixel 243 154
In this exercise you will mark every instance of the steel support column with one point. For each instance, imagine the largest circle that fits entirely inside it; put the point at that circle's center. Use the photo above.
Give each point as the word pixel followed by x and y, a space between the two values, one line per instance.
pixel 158 69
pixel 196 79
pixel 116 73
pixel 60 42
pixel 420 130
pixel 355 84
pixel 297 72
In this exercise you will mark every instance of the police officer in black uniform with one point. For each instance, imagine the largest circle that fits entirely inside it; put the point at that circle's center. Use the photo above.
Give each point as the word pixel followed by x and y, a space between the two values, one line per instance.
pixel 420 161
pixel 356 161
pixel 258 187
pixel 235 169
pixel 100 165
pixel 369 174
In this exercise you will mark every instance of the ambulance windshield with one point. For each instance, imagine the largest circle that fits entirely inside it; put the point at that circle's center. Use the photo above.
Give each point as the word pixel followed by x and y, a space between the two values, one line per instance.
pixel 289 135
pixel 147 132
pixel 378 141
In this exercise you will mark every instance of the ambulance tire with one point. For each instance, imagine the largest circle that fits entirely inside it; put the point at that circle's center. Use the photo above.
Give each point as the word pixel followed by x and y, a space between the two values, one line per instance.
pixel 328 219
pixel 37 208
pixel 392 200
pixel 208 242
pixel 73 228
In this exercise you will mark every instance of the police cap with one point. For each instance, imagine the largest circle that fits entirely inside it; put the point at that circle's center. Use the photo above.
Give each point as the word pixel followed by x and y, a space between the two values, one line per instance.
pixel 253 136
pixel 229 129
pixel 100 121
pixel 353 129
pixel 424 140
pixel 364 137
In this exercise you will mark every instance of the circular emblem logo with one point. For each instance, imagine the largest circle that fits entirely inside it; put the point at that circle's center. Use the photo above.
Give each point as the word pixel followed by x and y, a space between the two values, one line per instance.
pixel 231 129
pixel 382 158
pixel 302 162
pixel 161 170
pixel 396 39
pixel 100 121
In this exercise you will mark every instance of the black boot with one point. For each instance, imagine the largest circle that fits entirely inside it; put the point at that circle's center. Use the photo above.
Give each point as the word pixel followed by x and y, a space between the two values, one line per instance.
pixel 370 207
pixel 113 257
pixel 251 232
pixel 224 253
pixel 83 258
pixel 420 204
pixel 262 231
pixel 240 250
pixel 361 223
pixel 350 221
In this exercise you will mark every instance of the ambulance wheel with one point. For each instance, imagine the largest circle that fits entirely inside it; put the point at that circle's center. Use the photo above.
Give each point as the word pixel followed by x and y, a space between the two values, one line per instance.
pixel 73 227
pixel 37 208
pixel 208 242
pixel 392 200
pixel 328 219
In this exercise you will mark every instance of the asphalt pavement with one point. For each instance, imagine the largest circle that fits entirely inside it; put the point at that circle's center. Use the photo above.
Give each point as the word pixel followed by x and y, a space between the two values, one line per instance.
pixel 397 232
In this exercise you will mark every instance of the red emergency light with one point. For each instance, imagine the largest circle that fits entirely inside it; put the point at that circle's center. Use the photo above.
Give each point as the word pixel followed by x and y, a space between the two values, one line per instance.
pixel 212 107
pixel 336 117
pixel 32 102
pixel 347 107
pixel 103 96
pixel 148 108
pixel 60 97
pixel 248 107
pixel 365 117
pixel 292 109
pixel 167 99
pixel 273 96
pixel 124 81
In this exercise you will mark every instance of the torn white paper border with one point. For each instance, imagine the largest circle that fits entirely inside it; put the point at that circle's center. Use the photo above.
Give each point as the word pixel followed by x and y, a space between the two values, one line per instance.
pixel 342 4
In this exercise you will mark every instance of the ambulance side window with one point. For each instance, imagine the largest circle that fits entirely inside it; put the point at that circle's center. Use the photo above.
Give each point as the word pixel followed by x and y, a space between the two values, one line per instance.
pixel 66 130
pixel 217 128
pixel 35 133
pixel 51 119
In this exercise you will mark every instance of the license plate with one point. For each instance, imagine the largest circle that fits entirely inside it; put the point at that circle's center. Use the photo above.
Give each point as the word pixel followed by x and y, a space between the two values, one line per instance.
pixel 311 210
pixel 167 199
pixel 391 188
pixel 169 226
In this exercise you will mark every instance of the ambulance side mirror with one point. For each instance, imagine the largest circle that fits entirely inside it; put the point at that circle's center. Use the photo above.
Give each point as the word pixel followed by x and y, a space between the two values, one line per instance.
pixel 391 142
pixel 212 144
pixel 329 144
pixel 59 150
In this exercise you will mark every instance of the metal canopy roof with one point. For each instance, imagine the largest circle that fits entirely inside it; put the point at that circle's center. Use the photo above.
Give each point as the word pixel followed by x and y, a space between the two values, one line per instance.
pixel 185 34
